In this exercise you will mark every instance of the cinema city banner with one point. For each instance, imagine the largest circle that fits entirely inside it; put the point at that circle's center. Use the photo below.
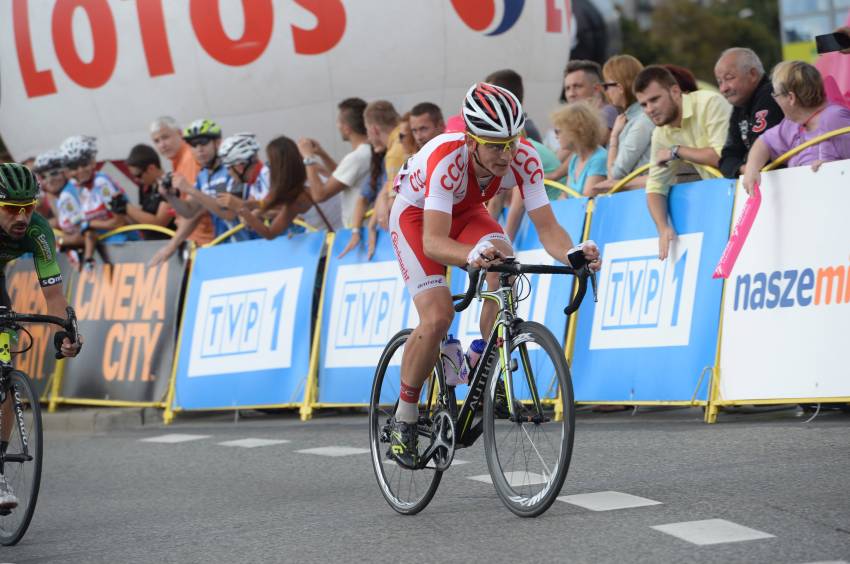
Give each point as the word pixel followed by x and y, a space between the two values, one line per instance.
pixel 237 61
pixel 786 311
pixel 22 284
pixel 127 314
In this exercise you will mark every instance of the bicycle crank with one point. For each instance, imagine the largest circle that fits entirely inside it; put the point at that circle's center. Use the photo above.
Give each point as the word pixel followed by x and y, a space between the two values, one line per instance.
pixel 442 447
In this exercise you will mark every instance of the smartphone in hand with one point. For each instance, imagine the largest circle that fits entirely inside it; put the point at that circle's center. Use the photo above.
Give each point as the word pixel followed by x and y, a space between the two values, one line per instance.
pixel 829 42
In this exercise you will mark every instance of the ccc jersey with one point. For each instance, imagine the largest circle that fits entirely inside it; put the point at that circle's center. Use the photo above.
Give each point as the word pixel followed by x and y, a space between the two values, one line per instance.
pixel 40 242
pixel 441 177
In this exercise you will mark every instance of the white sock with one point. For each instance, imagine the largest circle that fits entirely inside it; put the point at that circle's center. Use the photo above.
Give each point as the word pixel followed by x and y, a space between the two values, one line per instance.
pixel 407 412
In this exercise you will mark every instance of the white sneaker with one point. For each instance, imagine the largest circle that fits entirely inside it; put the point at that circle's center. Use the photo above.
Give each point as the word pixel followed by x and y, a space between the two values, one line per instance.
pixel 8 500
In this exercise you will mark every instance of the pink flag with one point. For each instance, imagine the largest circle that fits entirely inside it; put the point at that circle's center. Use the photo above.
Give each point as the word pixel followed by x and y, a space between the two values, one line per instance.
pixel 739 235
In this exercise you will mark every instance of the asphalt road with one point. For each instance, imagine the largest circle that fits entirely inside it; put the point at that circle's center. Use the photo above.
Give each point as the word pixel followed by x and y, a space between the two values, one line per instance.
pixel 116 497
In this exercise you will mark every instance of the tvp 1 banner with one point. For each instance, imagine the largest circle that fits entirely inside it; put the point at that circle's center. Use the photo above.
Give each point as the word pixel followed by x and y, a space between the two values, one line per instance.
pixel 786 311
pixel 543 296
pixel 38 360
pixel 655 326
pixel 245 337
pixel 366 303
pixel 127 314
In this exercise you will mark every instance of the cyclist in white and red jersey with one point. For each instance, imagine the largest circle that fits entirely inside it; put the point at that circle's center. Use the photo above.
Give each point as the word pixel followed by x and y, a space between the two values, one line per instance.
pixel 439 219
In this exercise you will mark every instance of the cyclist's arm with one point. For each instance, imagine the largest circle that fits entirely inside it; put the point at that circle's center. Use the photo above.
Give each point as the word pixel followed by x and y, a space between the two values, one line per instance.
pixel 554 238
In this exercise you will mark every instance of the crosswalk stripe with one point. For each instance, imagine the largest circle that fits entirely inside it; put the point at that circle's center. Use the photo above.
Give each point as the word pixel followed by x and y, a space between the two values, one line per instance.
pixel 711 531
pixel 334 451
pixel 172 438
pixel 607 501
pixel 253 443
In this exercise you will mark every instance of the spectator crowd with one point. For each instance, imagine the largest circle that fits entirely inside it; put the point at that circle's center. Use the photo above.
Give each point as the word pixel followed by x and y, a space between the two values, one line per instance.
pixel 613 119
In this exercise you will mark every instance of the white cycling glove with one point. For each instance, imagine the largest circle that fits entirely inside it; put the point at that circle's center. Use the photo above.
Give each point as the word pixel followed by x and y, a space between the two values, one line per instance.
pixel 477 251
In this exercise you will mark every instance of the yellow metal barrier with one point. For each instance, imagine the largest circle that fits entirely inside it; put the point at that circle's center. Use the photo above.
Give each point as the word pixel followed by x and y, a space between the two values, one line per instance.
pixel 236 229
pixel 137 227
pixel 640 170
pixel 782 158
pixel 563 188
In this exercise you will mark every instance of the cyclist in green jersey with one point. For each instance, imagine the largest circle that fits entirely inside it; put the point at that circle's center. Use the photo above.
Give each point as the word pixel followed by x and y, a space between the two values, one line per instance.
pixel 24 231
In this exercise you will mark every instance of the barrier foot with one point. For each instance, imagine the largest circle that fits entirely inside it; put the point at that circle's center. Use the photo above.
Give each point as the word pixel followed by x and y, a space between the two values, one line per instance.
pixel 167 416
pixel 306 411
pixel 712 408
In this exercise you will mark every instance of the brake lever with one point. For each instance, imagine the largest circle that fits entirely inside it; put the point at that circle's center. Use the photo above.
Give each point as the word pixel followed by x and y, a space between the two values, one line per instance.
pixel 593 286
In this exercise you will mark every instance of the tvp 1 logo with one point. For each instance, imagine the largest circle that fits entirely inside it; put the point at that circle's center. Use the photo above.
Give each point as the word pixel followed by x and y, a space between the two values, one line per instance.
pixel 245 323
pixel 645 302
pixel 369 304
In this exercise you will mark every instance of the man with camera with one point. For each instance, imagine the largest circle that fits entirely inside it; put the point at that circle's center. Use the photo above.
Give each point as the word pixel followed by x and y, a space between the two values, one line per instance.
pixel 144 165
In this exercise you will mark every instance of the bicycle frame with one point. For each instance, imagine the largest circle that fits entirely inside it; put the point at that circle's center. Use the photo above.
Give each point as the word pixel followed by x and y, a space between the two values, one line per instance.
pixel 502 327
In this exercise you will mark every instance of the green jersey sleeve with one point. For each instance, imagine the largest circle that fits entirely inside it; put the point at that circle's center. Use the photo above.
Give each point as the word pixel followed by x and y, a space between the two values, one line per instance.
pixel 42 245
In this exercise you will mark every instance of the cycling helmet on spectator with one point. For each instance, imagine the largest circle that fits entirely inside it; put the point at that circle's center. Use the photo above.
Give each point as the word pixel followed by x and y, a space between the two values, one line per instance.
pixel 17 182
pixel 49 160
pixel 239 148
pixel 202 128
pixel 492 111
pixel 78 148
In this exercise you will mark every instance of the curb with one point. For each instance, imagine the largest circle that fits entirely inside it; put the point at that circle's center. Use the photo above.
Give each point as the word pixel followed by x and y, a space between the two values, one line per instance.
pixel 102 420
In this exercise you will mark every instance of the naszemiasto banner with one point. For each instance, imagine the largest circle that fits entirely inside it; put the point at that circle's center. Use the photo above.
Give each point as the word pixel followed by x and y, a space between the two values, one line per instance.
pixel 127 314
pixel 786 315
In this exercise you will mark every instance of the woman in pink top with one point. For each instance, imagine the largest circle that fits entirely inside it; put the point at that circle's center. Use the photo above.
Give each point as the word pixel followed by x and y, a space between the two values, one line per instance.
pixel 799 92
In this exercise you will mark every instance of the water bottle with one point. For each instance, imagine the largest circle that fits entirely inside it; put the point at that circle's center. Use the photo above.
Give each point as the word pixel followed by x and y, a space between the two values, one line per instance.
pixel 476 349
pixel 451 354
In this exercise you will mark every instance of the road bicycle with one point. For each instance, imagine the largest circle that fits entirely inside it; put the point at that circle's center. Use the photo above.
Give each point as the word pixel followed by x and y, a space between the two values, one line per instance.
pixel 523 381
pixel 20 420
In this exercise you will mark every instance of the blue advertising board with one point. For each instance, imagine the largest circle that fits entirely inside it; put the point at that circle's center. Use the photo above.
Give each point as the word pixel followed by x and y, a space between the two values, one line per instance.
pixel 655 327
pixel 366 303
pixel 245 337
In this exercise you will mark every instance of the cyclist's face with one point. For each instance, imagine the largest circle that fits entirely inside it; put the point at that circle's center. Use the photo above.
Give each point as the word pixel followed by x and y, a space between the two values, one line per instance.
pixel 82 171
pixel 15 219
pixel 494 156
pixel 205 150
pixel 52 181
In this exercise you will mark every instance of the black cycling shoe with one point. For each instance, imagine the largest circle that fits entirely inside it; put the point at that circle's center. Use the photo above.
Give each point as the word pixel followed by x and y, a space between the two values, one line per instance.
pixel 403 444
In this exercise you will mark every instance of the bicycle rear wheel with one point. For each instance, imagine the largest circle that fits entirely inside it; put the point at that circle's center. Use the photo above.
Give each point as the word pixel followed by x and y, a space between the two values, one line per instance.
pixel 407 491
pixel 21 463
pixel 529 454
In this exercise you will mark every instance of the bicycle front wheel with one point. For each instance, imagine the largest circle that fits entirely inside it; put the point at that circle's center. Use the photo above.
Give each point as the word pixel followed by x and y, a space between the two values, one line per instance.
pixel 21 463
pixel 407 491
pixel 528 451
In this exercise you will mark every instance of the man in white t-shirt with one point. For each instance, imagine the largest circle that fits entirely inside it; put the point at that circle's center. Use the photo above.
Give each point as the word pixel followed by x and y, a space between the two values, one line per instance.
pixel 354 167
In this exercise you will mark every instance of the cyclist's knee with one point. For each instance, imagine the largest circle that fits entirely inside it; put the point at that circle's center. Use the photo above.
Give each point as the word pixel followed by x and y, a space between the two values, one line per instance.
pixel 436 323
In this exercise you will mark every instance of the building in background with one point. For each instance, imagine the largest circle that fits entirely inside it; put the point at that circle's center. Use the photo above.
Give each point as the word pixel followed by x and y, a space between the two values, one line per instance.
pixel 801 20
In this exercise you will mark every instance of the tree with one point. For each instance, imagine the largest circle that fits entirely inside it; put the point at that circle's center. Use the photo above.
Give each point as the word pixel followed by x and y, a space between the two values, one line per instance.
pixel 691 35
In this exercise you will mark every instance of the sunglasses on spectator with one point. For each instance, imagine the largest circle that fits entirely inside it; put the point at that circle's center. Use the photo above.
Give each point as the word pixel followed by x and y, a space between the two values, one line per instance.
pixel 778 94
pixel 402 136
pixel 51 173
pixel 15 208
pixel 607 85
pixel 504 146
pixel 199 141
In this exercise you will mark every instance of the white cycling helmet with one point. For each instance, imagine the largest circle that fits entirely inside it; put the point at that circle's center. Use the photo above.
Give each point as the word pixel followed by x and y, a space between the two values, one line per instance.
pixel 239 148
pixel 79 147
pixel 49 160
pixel 492 111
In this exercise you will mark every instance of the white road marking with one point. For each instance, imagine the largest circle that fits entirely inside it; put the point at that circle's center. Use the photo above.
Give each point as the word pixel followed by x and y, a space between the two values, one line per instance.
pixel 711 531
pixel 607 501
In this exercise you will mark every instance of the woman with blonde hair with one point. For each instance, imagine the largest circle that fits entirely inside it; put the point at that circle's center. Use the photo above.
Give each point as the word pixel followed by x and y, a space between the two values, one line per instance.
pixel 581 131
pixel 799 92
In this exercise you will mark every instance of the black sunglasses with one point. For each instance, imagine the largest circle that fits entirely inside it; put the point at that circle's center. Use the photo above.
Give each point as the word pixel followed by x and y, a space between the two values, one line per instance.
pixel 199 141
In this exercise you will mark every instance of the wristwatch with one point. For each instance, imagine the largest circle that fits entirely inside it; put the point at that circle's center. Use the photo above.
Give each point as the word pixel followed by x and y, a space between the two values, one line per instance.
pixel 311 160
pixel 674 152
